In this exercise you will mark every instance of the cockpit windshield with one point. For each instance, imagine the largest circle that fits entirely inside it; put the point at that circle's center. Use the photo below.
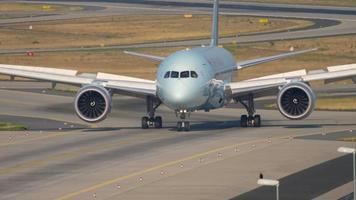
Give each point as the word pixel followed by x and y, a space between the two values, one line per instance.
pixel 174 74
pixel 167 74
pixel 183 74
pixel 193 74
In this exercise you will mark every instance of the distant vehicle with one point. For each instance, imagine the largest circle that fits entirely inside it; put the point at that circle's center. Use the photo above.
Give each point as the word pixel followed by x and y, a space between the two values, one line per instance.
pixel 192 80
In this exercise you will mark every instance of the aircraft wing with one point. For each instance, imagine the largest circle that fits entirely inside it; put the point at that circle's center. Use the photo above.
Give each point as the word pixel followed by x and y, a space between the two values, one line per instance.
pixel 269 85
pixel 249 63
pixel 150 57
pixel 119 84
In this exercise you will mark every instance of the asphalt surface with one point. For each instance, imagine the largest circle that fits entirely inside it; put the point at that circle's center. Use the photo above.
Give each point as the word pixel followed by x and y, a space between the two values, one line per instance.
pixel 117 160
pixel 39 124
pixel 308 183
pixel 330 21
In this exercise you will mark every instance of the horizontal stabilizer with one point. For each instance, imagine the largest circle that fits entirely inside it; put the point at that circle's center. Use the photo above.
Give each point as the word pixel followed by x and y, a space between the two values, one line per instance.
pixel 249 63
pixel 150 57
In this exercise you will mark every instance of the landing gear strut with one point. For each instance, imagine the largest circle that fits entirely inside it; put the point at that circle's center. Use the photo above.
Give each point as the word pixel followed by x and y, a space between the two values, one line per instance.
pixel 249 120
pixel 184 124
pixel 151 120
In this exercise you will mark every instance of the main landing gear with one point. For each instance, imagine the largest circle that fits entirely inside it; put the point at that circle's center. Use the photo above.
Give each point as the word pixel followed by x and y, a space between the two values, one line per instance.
pixel 151 120
pixel 249 120
pixel 183 125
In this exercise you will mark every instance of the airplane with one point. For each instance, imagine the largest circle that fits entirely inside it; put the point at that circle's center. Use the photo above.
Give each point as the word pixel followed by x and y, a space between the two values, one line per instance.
pixel 197 79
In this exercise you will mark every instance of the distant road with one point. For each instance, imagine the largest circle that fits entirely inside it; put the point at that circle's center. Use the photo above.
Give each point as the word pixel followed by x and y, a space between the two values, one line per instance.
pixel 330 21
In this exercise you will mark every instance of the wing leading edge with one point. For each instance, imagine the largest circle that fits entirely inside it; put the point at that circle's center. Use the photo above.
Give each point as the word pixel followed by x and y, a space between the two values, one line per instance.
pixel 119 84
pixel 267 85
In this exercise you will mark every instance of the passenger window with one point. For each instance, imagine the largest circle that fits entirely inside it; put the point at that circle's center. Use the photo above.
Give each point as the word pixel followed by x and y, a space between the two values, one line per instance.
pixel 174 74
pixel 184 74
pixel 193 74
pixel 167 74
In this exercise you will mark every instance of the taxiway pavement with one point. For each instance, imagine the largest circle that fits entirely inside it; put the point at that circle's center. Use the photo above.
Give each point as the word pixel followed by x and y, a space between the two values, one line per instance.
pixel 117 160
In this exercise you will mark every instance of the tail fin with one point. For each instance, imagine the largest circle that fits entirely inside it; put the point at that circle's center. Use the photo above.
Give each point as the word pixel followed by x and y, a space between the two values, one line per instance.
pixel 215 25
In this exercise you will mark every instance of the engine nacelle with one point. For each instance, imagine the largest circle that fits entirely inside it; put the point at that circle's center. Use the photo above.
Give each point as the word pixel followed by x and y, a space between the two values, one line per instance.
pixel 296 100
pixel 92 103
pixel 217 97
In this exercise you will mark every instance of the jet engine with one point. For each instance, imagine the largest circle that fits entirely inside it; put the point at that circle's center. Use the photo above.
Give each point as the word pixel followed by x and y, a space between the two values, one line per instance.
pixel 296 100
pixel 217 97
pixel 92 103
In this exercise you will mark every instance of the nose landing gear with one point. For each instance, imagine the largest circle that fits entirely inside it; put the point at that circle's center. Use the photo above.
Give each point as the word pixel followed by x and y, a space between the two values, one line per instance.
pixel 183 125
pixel 151 120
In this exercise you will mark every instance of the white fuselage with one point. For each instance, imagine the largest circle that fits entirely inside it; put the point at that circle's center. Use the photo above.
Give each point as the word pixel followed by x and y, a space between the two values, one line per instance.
pixel 194 79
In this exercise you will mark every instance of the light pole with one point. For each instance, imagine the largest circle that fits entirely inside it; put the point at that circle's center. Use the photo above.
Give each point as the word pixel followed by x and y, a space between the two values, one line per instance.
pixel 350 150
pixel 268 182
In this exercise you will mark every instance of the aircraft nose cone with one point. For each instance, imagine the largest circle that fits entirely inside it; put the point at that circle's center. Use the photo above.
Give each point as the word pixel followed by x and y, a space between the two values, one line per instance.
pixel 179 96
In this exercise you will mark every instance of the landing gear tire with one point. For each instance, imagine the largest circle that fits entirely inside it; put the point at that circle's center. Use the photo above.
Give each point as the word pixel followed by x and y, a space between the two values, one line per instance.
pixel 243 121
pixel 257 121
pixel 179 126
pixel 155 122
pixel 183 126
pixel 186 126
pixel 251 121
pixel 158 122
pixel 145 122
